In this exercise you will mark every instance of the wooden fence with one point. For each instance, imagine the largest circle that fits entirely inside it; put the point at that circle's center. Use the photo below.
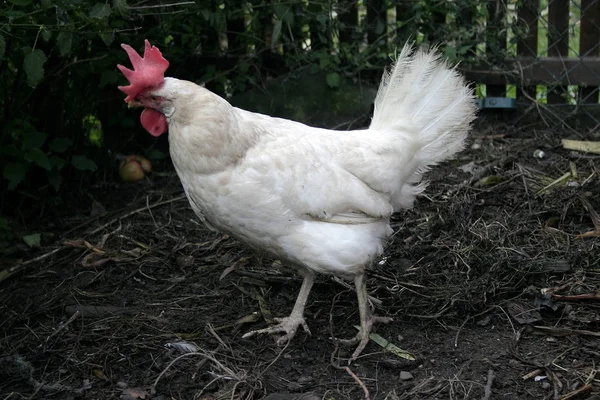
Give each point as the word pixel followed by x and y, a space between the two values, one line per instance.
pixel 558 68
pixel 544 50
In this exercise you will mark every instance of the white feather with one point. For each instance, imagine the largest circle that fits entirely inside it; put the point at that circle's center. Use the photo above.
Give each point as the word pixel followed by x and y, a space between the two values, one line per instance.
pixel 317 198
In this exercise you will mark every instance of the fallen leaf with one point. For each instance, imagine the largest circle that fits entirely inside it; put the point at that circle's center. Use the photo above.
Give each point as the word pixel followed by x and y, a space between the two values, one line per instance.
pixel 182 347
pixel 134 394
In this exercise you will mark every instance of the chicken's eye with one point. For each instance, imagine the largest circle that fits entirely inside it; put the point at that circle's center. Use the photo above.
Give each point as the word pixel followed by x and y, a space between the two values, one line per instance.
pixel 154 98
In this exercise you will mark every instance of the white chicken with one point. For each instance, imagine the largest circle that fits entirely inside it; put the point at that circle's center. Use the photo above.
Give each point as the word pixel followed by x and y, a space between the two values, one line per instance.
pixel 319 200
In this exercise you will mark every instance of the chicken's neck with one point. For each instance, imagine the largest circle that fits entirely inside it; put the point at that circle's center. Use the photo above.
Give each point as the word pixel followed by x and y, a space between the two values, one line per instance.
pixel 205 135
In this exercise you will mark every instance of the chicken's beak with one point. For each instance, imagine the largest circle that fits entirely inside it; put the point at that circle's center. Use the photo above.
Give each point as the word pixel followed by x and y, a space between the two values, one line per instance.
pixel 133 104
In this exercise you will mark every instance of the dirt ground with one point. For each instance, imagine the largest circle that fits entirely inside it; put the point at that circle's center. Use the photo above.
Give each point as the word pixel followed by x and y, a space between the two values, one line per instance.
pixel 493 281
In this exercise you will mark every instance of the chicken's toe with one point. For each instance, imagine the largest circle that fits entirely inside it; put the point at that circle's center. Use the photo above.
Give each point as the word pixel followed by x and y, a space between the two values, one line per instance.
pixel 288 326
pixel 362 337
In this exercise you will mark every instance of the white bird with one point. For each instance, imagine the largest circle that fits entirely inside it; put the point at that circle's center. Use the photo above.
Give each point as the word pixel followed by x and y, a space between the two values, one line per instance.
pixel 320 200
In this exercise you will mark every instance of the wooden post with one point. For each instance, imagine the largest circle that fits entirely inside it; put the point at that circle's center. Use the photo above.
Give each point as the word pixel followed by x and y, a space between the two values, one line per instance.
pixel 527 46
pixel 376 18
pixel 589 43
pixel 319 35
pixel 406 17
pixel 236 27
pixel 348 18
pixel 558 42
pixel 495 41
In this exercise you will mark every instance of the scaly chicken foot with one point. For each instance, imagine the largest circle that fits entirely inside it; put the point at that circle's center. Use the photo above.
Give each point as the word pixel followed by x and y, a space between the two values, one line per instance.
pixel 289 325
pixel 367 318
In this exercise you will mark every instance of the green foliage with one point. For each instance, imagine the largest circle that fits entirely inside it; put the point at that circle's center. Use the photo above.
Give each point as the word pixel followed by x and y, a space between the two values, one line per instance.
pixel 33 64
pixel 53 54
pixel 34 240
pixel 60 111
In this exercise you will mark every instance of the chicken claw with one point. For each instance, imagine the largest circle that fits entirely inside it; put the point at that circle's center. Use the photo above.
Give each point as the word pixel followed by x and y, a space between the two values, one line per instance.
pixel 367 319
pixel 289 325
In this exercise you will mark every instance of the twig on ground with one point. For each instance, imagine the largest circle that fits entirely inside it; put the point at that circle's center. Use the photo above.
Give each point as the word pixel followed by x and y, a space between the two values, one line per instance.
pixel 360 383
pixel 60 328
pixel 137 210
pixel 459 329
pixel 6 273
pixel 575 393
pixel 488 386
pixel 566 331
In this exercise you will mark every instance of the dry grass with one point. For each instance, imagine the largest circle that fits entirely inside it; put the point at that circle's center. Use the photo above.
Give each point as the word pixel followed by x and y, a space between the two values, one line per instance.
pixel 483 258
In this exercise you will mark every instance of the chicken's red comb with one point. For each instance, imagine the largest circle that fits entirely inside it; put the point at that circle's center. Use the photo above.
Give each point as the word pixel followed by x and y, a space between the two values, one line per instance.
pixel 148 71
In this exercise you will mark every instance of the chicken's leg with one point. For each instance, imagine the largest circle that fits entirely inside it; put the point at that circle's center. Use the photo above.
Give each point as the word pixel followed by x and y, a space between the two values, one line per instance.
pixel 367 319
pixel 289 325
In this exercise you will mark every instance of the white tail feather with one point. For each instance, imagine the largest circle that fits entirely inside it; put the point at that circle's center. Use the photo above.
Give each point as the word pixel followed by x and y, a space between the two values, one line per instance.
pixel 423 95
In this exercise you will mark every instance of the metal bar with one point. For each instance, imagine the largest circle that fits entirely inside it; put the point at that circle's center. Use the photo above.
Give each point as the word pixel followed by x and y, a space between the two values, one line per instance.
pixel 495 41
pixel 589 44
pixel 376 19
pixel 558 42
pixel 348 17
pixel 527 15
pixel 527 71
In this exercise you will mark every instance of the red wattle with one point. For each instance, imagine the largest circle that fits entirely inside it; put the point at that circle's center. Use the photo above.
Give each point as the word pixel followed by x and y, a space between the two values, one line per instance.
pixel 153 121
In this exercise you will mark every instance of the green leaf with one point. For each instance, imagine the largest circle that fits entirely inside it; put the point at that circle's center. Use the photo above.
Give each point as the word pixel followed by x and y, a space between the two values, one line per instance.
pixel 56 162
pixel 60 145
pixel 108 77
pixel 33 139
pixel 155 154
pixel 46 4
pixel 10 150
pixel 324 60
pixel 333 79
pixel 21 2
pixel 55 179
pixel 64 40
pixel 46 35
pixel 107 37
pixel 14 173
pixel 2 46
pixel 38 157
pixel 100 11
pixel 276 33
pixel 83 163
pixel 284 13
pixel 33 64
pixel 33 240
pixel 322 18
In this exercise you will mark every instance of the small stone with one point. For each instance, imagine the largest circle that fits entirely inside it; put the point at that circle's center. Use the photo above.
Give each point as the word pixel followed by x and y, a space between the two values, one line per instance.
pixel 122 385
pixel 305 379
pixel 546 385
pixel 405 376
pixel 185 261
pixel 539 153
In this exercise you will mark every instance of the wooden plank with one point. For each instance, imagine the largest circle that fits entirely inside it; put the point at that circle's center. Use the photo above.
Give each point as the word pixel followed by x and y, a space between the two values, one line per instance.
pixel 236 27
pixel 589 43
pixel 406 20
pixel 348 17
pixel 465 17
pixel 495 41
pixel 376 21
pixel 558 42
pixel 527 15
pixel 319 35
pixel 545 70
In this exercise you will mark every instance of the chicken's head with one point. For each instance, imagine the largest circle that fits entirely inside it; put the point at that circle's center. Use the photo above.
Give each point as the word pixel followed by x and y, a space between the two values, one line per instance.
pixel 147 75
